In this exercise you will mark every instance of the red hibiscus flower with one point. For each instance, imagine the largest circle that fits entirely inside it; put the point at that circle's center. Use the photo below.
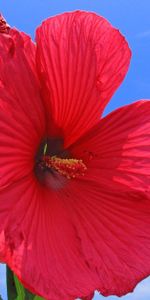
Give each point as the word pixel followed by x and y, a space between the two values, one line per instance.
pixel 74 187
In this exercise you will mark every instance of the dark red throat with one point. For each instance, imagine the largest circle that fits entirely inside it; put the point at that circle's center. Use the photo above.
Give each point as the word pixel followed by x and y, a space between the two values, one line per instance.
pixel 4 27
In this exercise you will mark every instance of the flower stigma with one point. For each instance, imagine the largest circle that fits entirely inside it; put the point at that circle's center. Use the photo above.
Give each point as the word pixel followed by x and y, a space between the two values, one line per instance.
pixel 45 149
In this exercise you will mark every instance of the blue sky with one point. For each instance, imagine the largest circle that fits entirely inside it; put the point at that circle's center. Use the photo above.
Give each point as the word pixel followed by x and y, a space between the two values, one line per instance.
pixel 132 19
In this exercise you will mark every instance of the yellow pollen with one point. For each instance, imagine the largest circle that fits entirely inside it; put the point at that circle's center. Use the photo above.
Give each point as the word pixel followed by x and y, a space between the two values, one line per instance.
pixel 69 167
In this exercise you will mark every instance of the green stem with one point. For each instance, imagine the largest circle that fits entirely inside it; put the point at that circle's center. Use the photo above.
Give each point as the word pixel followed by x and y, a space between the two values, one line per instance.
pixel 11 287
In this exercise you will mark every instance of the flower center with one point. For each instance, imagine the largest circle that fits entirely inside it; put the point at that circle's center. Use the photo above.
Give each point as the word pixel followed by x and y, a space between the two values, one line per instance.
pixel 54 164
pixel 68 167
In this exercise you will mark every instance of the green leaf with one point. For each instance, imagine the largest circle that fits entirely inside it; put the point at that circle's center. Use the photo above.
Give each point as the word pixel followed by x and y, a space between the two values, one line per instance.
pixel 29 295
pixel 19 289
pixel 15 289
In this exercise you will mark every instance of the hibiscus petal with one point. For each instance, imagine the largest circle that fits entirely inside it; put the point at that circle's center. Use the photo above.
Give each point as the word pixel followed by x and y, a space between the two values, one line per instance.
pixel 120 144
pixel 111 204
pixel 10 197
pixel 81 60
pixel 21 110
pixel 90 297
pixel 39 242
pixel 92 234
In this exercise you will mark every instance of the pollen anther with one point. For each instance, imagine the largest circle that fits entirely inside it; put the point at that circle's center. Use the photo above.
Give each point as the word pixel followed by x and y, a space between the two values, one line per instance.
pixel 68 167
